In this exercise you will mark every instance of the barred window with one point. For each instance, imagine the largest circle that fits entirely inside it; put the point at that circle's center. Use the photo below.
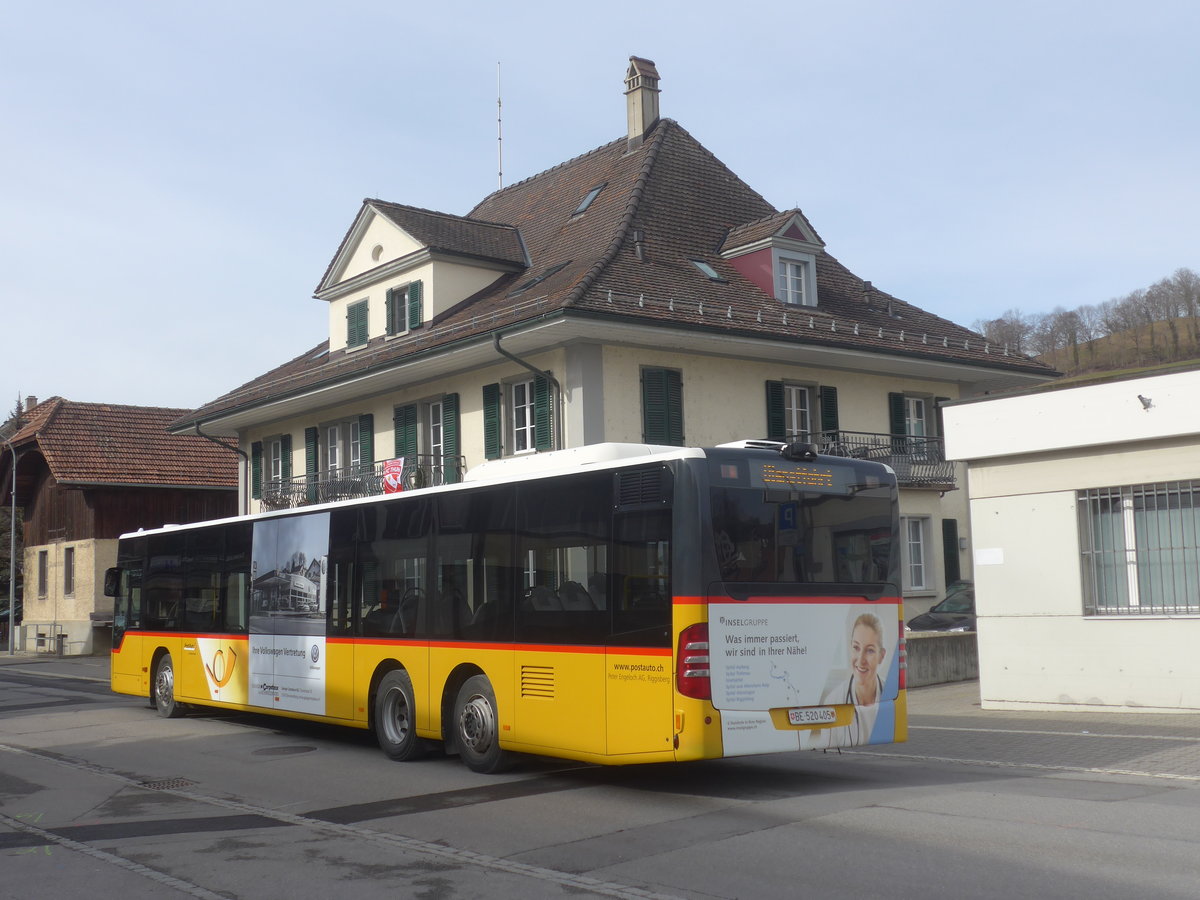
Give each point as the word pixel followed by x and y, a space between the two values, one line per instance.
pixel 1140 548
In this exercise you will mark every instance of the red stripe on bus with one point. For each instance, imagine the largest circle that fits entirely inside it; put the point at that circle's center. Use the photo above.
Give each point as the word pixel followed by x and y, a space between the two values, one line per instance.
pixel 891 601
pixel 474 645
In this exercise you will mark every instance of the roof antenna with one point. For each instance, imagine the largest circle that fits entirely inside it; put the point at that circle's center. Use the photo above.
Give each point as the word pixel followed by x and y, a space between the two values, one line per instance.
pixel 499 132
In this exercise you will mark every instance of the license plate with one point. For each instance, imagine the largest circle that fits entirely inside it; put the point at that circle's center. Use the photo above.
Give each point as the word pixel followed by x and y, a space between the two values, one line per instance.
pixel 812 715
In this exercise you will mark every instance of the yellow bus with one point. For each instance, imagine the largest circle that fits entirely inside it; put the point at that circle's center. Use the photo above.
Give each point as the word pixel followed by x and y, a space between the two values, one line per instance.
pixel 619 603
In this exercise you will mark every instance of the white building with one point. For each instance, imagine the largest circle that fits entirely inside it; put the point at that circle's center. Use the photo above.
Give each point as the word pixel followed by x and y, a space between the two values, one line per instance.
pixel 1085 513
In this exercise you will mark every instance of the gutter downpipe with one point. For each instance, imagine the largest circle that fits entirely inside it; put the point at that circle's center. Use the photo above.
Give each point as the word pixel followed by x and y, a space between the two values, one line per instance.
pixel 558 391
pixel 240 452
pixel 12 552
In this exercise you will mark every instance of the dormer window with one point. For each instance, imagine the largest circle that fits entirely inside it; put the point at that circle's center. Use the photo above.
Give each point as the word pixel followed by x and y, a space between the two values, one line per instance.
pixel 403 308
pixel 795 281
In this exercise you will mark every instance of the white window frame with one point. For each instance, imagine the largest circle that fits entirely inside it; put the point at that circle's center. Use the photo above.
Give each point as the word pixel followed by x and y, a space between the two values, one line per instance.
pixel 794 276
pixel 275 455
pixel 435 437
pixel 915 553
pixel 522 425
pixel 340 447
pixel 916 416
pixel 797 411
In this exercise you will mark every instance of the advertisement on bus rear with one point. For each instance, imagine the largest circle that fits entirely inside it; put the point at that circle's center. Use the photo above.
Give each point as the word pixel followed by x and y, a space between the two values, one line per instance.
pixel 828 668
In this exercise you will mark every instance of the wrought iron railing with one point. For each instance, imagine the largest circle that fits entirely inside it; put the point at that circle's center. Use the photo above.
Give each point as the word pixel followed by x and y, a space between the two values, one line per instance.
pixel 917 461
pixel 420 471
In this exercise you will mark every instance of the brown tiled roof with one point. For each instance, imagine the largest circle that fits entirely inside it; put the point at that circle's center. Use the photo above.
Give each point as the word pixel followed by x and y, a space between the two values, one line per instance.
pixel 100 443
pixel 455 234
pixel 673 201
pixel 765 227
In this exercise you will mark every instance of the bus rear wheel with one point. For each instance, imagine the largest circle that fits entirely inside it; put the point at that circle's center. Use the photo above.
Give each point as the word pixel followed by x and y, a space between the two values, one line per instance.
pixel 396 717
pixel 476 727
pixel 164 689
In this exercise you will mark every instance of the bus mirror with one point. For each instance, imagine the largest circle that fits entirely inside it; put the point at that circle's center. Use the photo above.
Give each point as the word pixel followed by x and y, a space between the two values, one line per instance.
pixel 112 580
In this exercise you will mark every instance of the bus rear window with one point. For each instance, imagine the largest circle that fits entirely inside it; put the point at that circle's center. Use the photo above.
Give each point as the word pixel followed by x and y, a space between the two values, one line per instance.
pixel 782 536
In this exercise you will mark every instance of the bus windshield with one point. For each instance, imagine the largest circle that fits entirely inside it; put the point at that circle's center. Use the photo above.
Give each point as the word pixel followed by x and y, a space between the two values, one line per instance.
pixel 776 536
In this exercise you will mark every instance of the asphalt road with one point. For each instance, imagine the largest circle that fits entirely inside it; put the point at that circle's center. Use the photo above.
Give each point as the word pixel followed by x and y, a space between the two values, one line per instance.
pixel 99 795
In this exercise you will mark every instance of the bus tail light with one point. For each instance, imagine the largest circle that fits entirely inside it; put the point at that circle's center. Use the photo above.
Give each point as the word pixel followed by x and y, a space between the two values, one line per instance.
pixel 692 673
pixel 902 659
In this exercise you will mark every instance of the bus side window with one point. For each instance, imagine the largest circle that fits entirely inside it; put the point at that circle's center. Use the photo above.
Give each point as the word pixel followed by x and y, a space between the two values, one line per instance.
pixel 642 573
pixel 164 583
pixel 563 536
pixel 235 593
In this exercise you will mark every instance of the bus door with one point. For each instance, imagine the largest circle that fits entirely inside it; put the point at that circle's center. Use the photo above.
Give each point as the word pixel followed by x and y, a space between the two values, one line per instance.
pixel 127 675
pixel 562 619
pixel 637 674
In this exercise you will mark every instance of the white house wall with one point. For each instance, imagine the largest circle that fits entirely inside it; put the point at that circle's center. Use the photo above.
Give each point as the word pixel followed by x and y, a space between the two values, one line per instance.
pixel 1037 650
pixel 394 241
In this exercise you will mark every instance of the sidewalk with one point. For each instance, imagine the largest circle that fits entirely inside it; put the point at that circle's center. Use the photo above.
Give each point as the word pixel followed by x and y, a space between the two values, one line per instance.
pixel 93 668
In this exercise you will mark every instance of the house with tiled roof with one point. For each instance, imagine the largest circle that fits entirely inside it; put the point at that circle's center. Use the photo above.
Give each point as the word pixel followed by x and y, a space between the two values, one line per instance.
pixel 85 473
pixel 639 292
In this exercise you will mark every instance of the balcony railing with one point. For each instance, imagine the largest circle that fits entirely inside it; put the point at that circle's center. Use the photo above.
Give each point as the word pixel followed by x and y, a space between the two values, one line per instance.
pixel 919 462
pixel 347 483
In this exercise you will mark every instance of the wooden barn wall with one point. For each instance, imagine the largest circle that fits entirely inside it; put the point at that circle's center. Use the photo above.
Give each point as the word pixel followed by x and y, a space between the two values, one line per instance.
pixel 53 512
pixel 118 510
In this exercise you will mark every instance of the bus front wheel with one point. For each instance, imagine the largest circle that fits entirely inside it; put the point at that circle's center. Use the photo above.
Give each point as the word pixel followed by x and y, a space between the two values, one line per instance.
pixel 164 689
pixel 396 717
pixel 476 727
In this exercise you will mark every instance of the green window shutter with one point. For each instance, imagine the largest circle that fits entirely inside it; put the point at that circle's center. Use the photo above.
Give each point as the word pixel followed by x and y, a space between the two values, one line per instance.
pixel 543 415
pixel 827 397
pixel 776 424
pixel 662 407
pixel 389 310
pixel 937 412
pixel 950 550
pixel 310 462
pixel 450 446
pixel 366 440
pixel 404 422
pixel 256 470
pixel 896 414
pixel 285 447
pixel 356 324
pixel 415 313
pixel 491 421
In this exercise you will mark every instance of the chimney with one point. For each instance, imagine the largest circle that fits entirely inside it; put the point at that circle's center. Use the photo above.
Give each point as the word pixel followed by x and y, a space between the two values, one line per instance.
pixel 30 403
pixel 641 98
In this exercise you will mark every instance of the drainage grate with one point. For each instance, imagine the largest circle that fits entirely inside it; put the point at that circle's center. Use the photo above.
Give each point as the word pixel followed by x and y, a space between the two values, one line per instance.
pixel 168 784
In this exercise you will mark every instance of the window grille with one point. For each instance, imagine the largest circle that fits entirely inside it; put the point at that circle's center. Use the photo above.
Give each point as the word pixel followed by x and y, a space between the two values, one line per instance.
pixel 1140 549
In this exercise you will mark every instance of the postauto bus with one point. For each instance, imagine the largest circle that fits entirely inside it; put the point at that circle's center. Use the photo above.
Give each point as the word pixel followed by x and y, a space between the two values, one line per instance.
pixel 618 603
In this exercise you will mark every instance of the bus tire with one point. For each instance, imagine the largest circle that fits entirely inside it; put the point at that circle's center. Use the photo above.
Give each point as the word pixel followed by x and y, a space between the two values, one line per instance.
pixel 395 715
pixel 164 689
pixel 477 729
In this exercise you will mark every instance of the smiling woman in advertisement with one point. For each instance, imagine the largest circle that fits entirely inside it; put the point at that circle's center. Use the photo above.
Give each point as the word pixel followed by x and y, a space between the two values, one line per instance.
pixel 864 688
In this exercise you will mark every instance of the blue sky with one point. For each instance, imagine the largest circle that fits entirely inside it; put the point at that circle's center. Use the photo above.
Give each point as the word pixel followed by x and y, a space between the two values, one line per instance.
pixel 176 177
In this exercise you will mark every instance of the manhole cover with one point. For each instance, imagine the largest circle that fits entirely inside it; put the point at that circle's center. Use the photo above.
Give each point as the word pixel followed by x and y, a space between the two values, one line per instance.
pixel 283 751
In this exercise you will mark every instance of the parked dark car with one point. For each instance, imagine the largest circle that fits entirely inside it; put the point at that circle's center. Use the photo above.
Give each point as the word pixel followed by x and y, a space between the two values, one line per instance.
pixel 4 620
pixel 956 611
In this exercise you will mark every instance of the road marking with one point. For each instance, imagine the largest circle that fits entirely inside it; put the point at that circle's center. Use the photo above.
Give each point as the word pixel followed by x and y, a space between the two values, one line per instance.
pixel 413 845
pixel 1090 734
pixel 1000 764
